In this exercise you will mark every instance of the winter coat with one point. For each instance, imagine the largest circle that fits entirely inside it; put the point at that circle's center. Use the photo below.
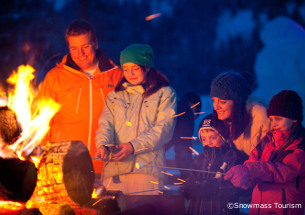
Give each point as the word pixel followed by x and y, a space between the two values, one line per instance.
pixel 146 123
pixel 280 180
pixel 208 192
pixel 257 128
pixel 81 98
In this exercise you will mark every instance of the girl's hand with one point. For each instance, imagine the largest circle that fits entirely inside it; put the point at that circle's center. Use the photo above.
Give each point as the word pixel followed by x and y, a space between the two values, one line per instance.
pixel 239 176
pixel 102 153
pixel 126 150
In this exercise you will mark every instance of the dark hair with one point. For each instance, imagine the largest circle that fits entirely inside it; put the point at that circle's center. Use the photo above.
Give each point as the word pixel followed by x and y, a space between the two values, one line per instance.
pixel 238 122
pixel 153 82
pixel 80 27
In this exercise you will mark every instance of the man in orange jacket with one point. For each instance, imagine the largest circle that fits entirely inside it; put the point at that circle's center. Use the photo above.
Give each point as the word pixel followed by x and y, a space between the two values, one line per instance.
pixel 80 84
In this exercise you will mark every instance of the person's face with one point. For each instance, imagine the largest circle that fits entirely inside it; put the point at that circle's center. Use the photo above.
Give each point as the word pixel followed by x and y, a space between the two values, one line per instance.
pixel 211 138
pixel 280 123
pixel 133 73
pixel 224 108
pixel 83 51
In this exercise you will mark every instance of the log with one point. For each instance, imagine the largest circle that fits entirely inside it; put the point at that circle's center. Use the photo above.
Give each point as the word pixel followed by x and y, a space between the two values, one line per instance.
pixel 65 174
pixel 17 180
pixel 9 127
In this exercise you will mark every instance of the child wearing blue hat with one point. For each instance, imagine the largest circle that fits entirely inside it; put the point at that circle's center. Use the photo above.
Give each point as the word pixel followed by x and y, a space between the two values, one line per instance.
pixel 207 191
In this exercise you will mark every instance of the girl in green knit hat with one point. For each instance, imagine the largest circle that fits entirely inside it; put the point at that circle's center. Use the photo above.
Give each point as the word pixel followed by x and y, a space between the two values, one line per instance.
pixel 135 124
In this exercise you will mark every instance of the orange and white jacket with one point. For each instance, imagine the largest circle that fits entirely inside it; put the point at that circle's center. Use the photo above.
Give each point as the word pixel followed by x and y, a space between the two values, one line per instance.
pixel 82 99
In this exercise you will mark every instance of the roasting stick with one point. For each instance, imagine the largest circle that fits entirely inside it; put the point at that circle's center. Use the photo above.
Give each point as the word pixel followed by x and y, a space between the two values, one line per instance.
pixel 144 191
pixel 141 165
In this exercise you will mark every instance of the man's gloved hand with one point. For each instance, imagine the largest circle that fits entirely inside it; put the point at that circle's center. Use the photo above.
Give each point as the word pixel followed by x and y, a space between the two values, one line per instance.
pixel 239 176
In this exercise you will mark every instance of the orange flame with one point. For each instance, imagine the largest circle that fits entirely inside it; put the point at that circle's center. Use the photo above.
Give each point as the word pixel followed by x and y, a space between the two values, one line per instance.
pixel 33 117
pixel 3 99
pixel 94 194
pixel 12 206
pixel 35 161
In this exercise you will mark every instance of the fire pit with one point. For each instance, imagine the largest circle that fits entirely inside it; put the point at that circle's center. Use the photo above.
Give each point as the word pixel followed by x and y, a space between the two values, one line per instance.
pixel 64 174
pixel 65 181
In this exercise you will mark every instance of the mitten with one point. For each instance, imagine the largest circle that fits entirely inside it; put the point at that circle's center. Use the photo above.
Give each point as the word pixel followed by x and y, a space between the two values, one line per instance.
pixel 239 176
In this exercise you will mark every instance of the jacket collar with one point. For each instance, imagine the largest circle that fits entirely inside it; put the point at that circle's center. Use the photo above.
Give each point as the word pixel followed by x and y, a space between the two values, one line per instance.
pixel 104 62
pixel 135 89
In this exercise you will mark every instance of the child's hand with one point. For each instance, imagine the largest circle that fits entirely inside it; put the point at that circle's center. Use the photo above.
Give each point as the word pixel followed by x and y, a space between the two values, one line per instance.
pixel 125 150
pixel 239 176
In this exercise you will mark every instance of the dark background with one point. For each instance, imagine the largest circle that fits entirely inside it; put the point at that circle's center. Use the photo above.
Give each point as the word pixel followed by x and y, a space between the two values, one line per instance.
pixel 183 37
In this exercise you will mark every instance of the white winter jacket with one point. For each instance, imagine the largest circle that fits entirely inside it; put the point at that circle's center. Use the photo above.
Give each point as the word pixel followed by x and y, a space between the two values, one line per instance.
pixel 146 123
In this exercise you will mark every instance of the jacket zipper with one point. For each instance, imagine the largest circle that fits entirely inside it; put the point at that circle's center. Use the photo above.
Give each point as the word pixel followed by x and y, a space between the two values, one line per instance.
pixel 90 113
pixel 103 97
pixel 79 94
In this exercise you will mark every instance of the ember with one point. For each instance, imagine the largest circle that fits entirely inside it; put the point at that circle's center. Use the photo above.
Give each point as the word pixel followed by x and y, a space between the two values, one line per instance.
pixel 193 150
pixel 178 114
pixel 195 105
pixel 9 207
pixel 153 16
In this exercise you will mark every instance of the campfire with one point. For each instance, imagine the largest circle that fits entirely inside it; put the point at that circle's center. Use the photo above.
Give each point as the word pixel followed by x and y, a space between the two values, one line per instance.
pixel 49 178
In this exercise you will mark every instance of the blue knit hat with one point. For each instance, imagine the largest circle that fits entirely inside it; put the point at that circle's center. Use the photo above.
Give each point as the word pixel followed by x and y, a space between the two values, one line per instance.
pixel 209 123
pixel 231 86
pixel 140 54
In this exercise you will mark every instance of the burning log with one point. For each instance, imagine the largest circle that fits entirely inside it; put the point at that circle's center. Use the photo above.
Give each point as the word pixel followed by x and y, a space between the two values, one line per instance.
pixel 18 178
pixel 65 174
pixel 9 128
pixel 9 132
